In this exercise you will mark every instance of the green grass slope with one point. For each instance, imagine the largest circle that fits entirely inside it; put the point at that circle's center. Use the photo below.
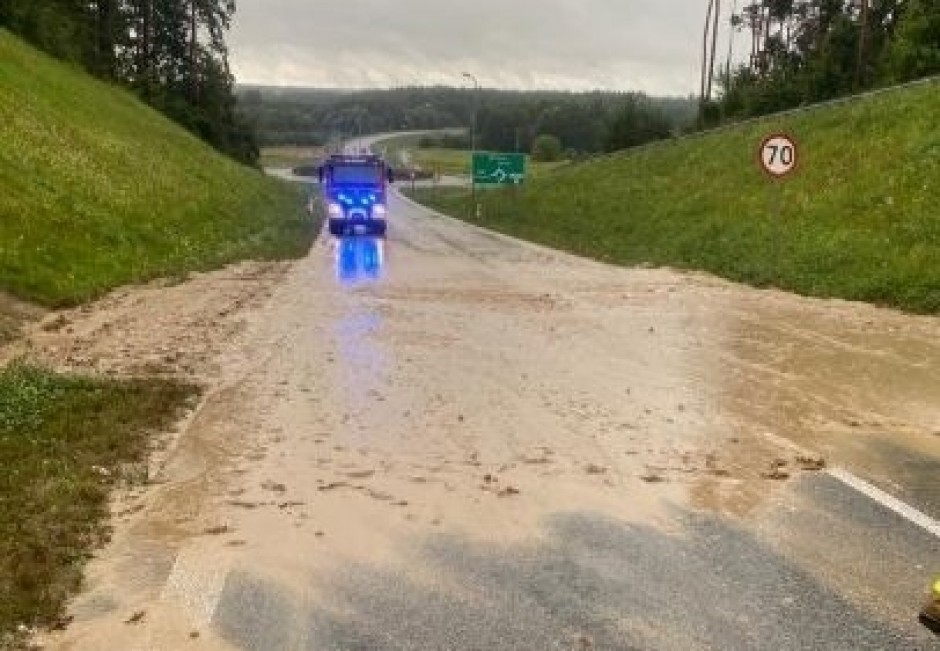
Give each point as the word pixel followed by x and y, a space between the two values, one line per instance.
pixel 97 190
pixel 860 219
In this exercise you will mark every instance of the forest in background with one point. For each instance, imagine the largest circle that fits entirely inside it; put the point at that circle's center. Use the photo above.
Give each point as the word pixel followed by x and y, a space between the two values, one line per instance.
pixel 172 53
pixel 506 120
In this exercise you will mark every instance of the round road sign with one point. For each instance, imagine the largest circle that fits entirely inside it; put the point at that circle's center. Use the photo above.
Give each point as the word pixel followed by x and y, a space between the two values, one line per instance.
pixel 778 155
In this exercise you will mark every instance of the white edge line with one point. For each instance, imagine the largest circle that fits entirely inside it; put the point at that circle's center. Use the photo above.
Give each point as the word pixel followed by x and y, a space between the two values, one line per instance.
pixel 886 500
pixel 196 583
pixel 907 512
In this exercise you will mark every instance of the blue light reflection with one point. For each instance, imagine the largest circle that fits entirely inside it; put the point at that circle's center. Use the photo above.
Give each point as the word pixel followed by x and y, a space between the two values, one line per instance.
pixel 359 259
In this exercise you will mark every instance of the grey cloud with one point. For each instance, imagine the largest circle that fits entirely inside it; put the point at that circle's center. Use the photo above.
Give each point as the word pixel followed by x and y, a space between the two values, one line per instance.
pixel 573 44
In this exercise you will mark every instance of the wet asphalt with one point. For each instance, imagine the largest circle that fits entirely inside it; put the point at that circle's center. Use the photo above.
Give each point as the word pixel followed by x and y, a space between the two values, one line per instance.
pixel 591 582
pixel 823 567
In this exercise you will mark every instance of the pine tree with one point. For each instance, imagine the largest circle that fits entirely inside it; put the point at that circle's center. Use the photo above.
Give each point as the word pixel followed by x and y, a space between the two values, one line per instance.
pixel 915 50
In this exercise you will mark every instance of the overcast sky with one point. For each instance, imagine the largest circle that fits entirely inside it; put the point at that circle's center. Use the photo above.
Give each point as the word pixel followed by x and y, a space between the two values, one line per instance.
pixel 648 45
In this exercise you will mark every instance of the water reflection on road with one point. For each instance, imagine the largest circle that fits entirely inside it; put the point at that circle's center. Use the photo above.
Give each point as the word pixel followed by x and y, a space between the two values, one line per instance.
pixel 359 259
pixel 363 362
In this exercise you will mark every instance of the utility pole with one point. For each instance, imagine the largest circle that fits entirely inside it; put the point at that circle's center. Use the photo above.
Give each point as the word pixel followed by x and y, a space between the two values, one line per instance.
pixel 193 49
pixel 708 57
pixel 731 31
pixel 711 63
pixel 473 135
pixel 708 22
pixel 860 76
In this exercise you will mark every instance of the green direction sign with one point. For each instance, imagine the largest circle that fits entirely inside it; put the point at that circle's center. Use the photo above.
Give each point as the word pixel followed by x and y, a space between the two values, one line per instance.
pixel 498 169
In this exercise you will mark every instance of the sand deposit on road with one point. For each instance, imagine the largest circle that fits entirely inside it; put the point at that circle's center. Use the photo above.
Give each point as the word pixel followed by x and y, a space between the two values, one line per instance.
pixel 451 382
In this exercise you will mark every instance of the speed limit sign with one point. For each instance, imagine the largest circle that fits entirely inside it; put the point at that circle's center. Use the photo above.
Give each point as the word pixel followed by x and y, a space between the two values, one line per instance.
pixel 778 155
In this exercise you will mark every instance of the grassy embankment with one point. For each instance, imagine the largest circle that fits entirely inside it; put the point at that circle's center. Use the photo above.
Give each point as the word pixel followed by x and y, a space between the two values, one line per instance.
pixel 285 157
pixel 100 191
pixel 859 219
pixel 97 191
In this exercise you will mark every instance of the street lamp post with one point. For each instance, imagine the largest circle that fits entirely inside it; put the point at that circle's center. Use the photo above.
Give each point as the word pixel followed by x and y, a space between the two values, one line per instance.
pixel 473 136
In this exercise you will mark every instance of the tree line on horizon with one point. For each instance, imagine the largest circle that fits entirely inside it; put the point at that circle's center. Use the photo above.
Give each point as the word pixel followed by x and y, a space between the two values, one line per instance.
pixel 172 53
pixel 583 123
pixel 806 51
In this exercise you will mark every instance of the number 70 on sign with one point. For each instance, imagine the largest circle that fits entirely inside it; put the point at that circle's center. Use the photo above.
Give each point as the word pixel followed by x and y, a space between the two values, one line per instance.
pixel 778 155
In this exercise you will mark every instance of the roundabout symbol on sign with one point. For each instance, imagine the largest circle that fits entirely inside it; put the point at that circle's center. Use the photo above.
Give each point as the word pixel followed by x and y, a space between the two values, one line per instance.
pixel 778 155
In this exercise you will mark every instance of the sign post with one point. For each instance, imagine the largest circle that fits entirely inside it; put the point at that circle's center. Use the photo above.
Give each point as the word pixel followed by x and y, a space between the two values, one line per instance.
pixel 778 156
pixel 498 169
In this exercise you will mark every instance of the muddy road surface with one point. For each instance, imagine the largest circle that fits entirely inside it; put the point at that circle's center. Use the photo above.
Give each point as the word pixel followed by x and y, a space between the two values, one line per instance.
pixel 454 440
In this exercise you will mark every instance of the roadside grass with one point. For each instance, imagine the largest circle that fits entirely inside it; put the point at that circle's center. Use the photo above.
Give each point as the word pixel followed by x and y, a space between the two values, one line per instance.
pixel 449 162
pixel 100 191
pixel 406 150
pixel 65 441
pixel 535 170
pixel 859 219
pixel 289 156
pixel 397 149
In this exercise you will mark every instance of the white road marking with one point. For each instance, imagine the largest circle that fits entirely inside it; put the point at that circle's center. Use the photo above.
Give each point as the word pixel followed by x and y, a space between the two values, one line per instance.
pixel 886 500
pixel 907 512
pixel 196 583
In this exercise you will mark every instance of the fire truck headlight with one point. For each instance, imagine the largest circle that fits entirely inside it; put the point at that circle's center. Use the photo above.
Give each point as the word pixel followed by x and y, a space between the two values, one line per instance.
pixel 379 210
pixel 335 210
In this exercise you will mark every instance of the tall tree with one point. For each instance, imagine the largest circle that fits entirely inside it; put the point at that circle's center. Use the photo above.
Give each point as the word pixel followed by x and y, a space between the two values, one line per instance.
pixel 862 44
pixel 809 50
pixel 914 51
pixel 712 10
pixel 714 50
pixel 105 14
pixel 636 123
pixel 143 75
pixel 170 51
pixel 193 51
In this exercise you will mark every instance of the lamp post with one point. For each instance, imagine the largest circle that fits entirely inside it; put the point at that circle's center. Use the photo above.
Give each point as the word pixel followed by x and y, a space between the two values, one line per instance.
pixel 473 135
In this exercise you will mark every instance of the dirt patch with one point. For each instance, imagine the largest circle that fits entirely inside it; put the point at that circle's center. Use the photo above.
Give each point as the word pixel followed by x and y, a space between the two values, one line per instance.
pixel 164 330
pixel 14 315
pixel 487 297
pixel 161 329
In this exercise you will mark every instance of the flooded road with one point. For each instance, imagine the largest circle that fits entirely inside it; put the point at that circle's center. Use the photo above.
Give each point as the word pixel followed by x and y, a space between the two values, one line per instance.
pixel 454 440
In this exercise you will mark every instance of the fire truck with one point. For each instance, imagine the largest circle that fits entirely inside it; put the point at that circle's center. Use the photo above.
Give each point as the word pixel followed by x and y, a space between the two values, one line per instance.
pixel 355 190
